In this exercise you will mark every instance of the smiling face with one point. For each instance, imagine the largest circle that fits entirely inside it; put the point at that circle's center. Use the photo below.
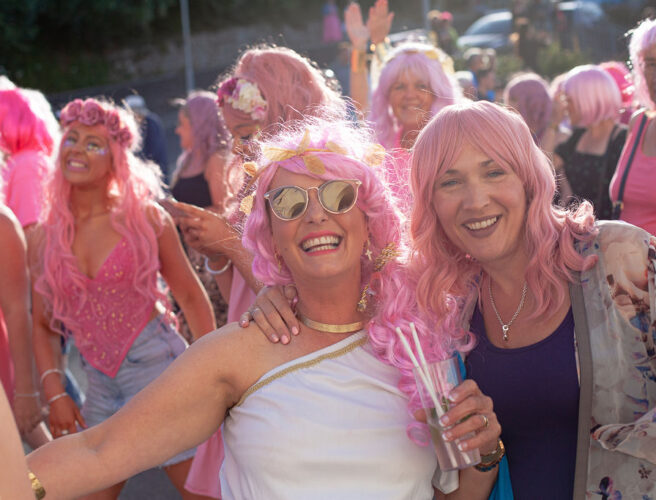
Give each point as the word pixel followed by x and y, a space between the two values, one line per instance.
pixel 481 206
pixel 85 157
pixel 411 98
pixel 318 245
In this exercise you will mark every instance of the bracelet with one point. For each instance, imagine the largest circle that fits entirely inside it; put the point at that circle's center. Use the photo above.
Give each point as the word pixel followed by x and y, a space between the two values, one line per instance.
pixel 34 394
pixel 37 487
pixel 55 398
pixel 491 460
pixel 358 61
pixel 48 372
pixel 216 272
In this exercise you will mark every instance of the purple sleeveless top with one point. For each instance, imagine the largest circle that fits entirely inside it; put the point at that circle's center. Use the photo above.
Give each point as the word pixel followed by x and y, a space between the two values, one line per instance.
pixel 536 396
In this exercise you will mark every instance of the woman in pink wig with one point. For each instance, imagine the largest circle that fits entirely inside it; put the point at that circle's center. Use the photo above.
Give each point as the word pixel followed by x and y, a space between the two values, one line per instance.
pixel 97 257
pixel 412 86
pixel 268 87
pixel 634 183
pixel 586 161
pixel 533 277
pixel 528 94
pixel 320 209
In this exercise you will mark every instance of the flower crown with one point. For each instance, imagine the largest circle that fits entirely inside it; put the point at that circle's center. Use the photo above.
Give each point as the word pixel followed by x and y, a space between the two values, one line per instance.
pixel 373 158
pixel 90 112
pixel 243 95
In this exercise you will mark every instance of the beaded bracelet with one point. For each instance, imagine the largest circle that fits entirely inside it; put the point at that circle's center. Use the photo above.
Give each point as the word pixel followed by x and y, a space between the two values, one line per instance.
pixel 37 487
pixel 492 460
pixel 48 372
pixel 216 272
pixel 56 397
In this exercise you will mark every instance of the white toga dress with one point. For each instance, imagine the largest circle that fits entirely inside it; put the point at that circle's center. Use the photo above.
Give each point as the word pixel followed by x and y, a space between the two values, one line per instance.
pixel 328 425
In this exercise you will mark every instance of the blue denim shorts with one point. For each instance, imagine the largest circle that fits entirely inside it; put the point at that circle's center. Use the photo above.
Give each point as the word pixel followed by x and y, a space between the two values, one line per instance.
pixel 152 352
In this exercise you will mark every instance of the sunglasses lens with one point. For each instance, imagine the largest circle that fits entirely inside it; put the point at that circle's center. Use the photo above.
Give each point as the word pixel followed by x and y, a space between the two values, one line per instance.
pixel 338 196
pixel 289 202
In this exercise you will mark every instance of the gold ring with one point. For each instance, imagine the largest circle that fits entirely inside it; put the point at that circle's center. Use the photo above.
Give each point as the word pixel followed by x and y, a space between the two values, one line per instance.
pixel 486 421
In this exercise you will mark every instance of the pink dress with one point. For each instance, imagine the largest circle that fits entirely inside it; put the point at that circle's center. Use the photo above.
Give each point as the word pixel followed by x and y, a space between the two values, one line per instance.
pixel 23 177
pixel 640 189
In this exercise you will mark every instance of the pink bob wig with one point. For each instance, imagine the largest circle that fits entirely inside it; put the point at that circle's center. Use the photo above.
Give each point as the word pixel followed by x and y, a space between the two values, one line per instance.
pixel 133 187
pixel 441 268
pixel 643 37
pixel 421 61
pixel 594 94
pixel 390 291
pixel 288 82
pixel 530 94
pixel 22 128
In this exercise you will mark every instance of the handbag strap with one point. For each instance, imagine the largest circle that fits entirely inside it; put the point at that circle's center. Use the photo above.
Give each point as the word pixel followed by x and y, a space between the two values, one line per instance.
pixel 582 335
pixel 618 205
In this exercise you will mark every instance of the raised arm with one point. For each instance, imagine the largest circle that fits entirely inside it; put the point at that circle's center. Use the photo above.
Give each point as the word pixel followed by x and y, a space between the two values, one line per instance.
pixel 180 409
pixel 183 281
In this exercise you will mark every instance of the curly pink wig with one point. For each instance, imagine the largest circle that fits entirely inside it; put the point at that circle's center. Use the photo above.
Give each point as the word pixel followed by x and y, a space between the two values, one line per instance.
pixel 531 94
pixel 22 128
pixel 288 82
pixel 643 37
pixel 392 293
pixel 594 94
pixel 132 189
pixel 439 266
pixel 409 58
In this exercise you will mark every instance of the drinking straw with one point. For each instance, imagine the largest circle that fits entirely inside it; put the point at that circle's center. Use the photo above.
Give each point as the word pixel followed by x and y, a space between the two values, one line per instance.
pixel 422 374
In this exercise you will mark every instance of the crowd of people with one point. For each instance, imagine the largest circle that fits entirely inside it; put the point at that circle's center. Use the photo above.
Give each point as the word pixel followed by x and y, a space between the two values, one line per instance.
pixel 512 230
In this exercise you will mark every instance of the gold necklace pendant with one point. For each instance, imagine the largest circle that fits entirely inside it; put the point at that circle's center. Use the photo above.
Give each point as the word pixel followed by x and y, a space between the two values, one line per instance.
pixel 329 328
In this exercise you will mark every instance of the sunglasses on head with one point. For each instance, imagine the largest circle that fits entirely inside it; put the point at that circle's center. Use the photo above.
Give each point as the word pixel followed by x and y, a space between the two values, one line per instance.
pixel 336 197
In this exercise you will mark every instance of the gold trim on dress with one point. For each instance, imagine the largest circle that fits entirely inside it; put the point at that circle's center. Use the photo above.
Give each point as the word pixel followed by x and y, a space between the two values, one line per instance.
pixel 305 364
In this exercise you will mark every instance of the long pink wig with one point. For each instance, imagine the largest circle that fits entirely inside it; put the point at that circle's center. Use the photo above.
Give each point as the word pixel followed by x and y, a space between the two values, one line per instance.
pixel 643 37
pixel 531 95
pixel 409 58
pixel 21 126
pixel 594 94
pixel 392 293
pixel 441 268
pixel 132 189
pixel 288 82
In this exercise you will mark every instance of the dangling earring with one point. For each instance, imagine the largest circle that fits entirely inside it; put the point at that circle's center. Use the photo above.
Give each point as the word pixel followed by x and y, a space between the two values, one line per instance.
pixel 367 250
pixel 278 258
pixel 362 303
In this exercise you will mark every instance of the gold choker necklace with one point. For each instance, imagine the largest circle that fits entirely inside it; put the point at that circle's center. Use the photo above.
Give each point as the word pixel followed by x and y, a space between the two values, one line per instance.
pixel 328 328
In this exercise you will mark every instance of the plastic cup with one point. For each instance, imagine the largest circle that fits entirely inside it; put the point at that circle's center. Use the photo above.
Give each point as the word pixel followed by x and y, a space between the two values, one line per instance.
pixel 444 376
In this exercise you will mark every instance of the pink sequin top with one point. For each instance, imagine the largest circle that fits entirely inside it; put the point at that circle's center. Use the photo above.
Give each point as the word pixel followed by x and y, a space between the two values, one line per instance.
pixel 111 313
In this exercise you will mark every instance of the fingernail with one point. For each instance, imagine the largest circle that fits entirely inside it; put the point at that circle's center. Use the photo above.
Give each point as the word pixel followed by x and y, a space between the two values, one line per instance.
pixel 294 330
pixel 444 420
pixel 285 339
pixel 462 446
pixel 446 436
pixel 243 322
pixel 275 338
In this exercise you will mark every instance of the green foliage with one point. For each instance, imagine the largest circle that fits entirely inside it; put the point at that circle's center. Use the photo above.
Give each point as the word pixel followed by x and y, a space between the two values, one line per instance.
pixel 552 60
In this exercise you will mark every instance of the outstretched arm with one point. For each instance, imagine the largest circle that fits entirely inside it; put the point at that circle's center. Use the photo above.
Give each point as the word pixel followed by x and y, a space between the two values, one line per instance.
pixel 180 409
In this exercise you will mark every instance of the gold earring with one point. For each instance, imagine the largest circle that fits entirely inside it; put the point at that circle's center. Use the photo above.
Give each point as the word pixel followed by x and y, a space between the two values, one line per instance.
pixel 279 260
pixel 367 247
pixel 362 303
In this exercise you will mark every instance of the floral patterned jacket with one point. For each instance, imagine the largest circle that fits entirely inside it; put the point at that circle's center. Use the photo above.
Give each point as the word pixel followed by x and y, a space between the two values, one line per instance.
pixel 619 294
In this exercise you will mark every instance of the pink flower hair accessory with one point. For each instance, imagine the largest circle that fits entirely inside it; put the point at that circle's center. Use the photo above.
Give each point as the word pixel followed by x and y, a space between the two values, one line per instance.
pixel 243 95
pixel 91 112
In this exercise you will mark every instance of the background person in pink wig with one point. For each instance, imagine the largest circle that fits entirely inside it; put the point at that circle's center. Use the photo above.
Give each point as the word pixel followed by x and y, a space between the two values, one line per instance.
pixel 638 200
pixel 587 161
pixel 334 387
pixel 412 86
pixel 96 261
pixel 268 87
pixel 484 228
pixel 528 94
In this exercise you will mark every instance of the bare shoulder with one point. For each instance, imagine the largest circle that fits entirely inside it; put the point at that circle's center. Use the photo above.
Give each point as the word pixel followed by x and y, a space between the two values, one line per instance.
pixel 8 221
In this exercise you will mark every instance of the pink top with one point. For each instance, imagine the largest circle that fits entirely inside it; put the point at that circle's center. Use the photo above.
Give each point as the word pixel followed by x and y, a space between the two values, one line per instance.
pixel 640 189
pixel 110 313
pixel 23 178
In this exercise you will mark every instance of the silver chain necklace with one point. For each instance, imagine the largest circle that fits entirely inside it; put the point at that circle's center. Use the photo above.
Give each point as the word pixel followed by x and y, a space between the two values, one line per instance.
pixel 506 326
